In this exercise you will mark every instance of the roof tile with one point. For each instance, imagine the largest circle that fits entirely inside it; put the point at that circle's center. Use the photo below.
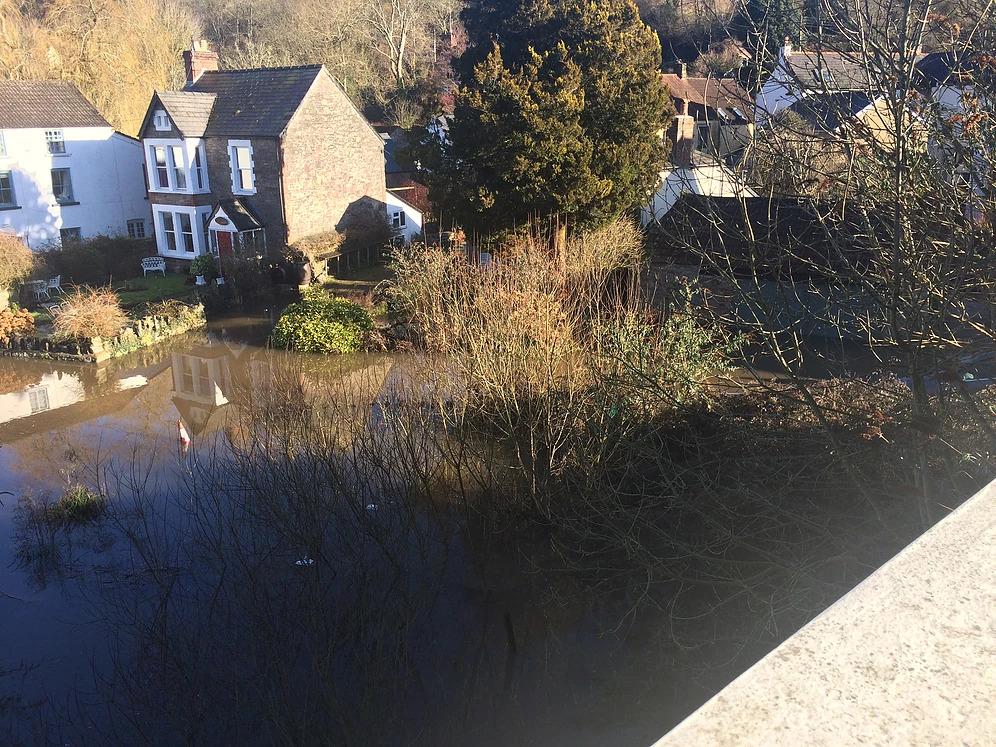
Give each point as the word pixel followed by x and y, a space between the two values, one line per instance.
pixel 45 103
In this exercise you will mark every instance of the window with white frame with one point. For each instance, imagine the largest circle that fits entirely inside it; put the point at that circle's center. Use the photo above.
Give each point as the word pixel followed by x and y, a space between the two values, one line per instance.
pixel 169 231
pixel 55 141
pixel 243 178
pixel 186 233
pixel 200 175
pixel 62 186
pixel 162 166
pixel 161 121
pixel 179 229
pixel 399 219
pixel 7 197
pixel 177 166
pixel 136 228
pixel 39 400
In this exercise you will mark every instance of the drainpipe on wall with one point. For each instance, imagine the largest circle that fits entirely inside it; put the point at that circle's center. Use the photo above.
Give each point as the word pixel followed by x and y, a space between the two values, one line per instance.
pixel 280 188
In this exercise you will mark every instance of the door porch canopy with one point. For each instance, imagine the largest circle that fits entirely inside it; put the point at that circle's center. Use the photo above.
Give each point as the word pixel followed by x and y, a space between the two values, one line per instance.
pixel 232 227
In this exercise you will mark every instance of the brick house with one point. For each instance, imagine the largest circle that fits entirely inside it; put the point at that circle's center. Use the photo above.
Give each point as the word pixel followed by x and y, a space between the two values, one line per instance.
pixel 253 160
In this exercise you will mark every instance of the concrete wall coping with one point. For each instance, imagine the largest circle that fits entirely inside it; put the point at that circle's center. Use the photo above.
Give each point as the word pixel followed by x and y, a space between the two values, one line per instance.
pixel 907 657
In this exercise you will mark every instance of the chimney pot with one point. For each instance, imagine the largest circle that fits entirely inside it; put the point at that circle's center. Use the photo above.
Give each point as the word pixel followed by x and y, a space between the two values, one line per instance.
pixel 198 60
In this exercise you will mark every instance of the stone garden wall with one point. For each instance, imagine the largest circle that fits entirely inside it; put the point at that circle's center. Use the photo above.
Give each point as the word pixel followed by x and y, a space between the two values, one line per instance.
pixel 139 333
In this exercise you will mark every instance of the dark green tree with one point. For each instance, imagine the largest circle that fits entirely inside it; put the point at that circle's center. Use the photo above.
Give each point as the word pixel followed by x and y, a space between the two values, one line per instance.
pixel 559 114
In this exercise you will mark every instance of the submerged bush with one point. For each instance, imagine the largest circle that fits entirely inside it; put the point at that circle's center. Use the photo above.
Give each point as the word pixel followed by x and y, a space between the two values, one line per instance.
pixel 78 505
pixel 89 312
pixel 320 323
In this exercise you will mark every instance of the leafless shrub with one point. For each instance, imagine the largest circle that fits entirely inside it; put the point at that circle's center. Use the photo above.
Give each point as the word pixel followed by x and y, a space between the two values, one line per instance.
pixel 16 260
pixel 89 312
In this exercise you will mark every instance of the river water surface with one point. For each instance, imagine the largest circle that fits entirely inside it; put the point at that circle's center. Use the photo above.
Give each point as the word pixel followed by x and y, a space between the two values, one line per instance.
pixel 190 615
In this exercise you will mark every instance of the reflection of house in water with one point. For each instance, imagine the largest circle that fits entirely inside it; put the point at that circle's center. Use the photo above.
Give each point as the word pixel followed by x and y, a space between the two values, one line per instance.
pixel 54 390
pixel 202 385
pixel 38 396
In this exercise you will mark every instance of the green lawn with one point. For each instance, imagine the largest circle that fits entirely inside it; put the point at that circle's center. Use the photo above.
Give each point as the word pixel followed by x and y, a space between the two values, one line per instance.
pixel 151 288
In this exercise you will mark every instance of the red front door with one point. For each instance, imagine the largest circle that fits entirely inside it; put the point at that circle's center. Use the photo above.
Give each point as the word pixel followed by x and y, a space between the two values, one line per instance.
pixel 224 244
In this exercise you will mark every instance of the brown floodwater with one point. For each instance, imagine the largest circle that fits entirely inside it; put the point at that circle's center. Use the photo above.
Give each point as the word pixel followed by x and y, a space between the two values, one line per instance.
pixel 231 596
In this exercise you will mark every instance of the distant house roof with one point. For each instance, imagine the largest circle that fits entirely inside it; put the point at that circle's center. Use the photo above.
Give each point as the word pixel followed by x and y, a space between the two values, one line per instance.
pixel 828 111
pixel 725 92
pixel 45 103
pixel 189 111
pixel 791 235
pixel 948 67
pixel 828 70
pixel 254 103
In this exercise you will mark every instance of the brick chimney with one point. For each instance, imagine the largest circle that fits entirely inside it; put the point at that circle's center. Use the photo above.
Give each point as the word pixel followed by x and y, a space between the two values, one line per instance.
pixel 682 134
pixel 198 60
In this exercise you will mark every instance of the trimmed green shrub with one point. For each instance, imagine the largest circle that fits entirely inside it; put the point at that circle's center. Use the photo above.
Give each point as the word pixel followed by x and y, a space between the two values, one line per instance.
pixel 320 323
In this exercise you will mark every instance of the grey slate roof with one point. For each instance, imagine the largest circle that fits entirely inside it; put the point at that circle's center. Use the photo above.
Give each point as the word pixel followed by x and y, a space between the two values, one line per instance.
pixel 254 103
pixel 45 103
pixel 827 112
pixel 835 71
pixel 189 111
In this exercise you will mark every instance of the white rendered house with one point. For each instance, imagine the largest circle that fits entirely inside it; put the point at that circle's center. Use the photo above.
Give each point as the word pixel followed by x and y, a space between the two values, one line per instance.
pixel 65 173
pixel 405 218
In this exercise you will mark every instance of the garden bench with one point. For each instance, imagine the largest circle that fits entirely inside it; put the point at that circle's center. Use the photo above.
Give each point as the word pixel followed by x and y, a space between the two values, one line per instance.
pixel 153 264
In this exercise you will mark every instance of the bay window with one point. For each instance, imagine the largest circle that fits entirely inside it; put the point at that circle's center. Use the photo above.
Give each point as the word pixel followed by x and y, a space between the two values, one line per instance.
pixel 178 229
pixel 176 165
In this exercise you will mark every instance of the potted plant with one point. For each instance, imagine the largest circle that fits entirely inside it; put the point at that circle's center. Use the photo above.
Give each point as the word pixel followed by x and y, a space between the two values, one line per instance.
pixel 204 268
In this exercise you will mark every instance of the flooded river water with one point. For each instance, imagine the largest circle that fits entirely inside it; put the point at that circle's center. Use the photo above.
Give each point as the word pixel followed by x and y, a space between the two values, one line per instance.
pixel 333 612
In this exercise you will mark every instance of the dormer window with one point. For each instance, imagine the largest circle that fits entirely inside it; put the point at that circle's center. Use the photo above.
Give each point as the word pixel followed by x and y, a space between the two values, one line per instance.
pixel 161 121
pixel 243 177
pixel 55 141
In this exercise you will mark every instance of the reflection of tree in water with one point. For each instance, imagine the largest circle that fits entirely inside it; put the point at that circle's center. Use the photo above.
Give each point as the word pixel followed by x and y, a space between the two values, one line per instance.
pixel 335 568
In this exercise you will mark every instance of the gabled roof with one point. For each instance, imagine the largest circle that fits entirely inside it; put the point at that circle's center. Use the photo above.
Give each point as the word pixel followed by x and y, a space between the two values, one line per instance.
pixel 189 111
pixel 828 111
pixel 242 218
pixel 254 103
pixel 45 103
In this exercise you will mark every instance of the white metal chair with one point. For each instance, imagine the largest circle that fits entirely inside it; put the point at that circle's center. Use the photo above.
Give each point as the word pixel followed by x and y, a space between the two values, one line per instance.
pixel 39 288
pixel 153 264
pixel 53 285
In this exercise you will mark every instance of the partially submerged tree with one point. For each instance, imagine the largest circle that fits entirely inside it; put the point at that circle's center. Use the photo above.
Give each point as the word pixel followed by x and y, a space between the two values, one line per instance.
pixel 559 115
pixel 896 252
